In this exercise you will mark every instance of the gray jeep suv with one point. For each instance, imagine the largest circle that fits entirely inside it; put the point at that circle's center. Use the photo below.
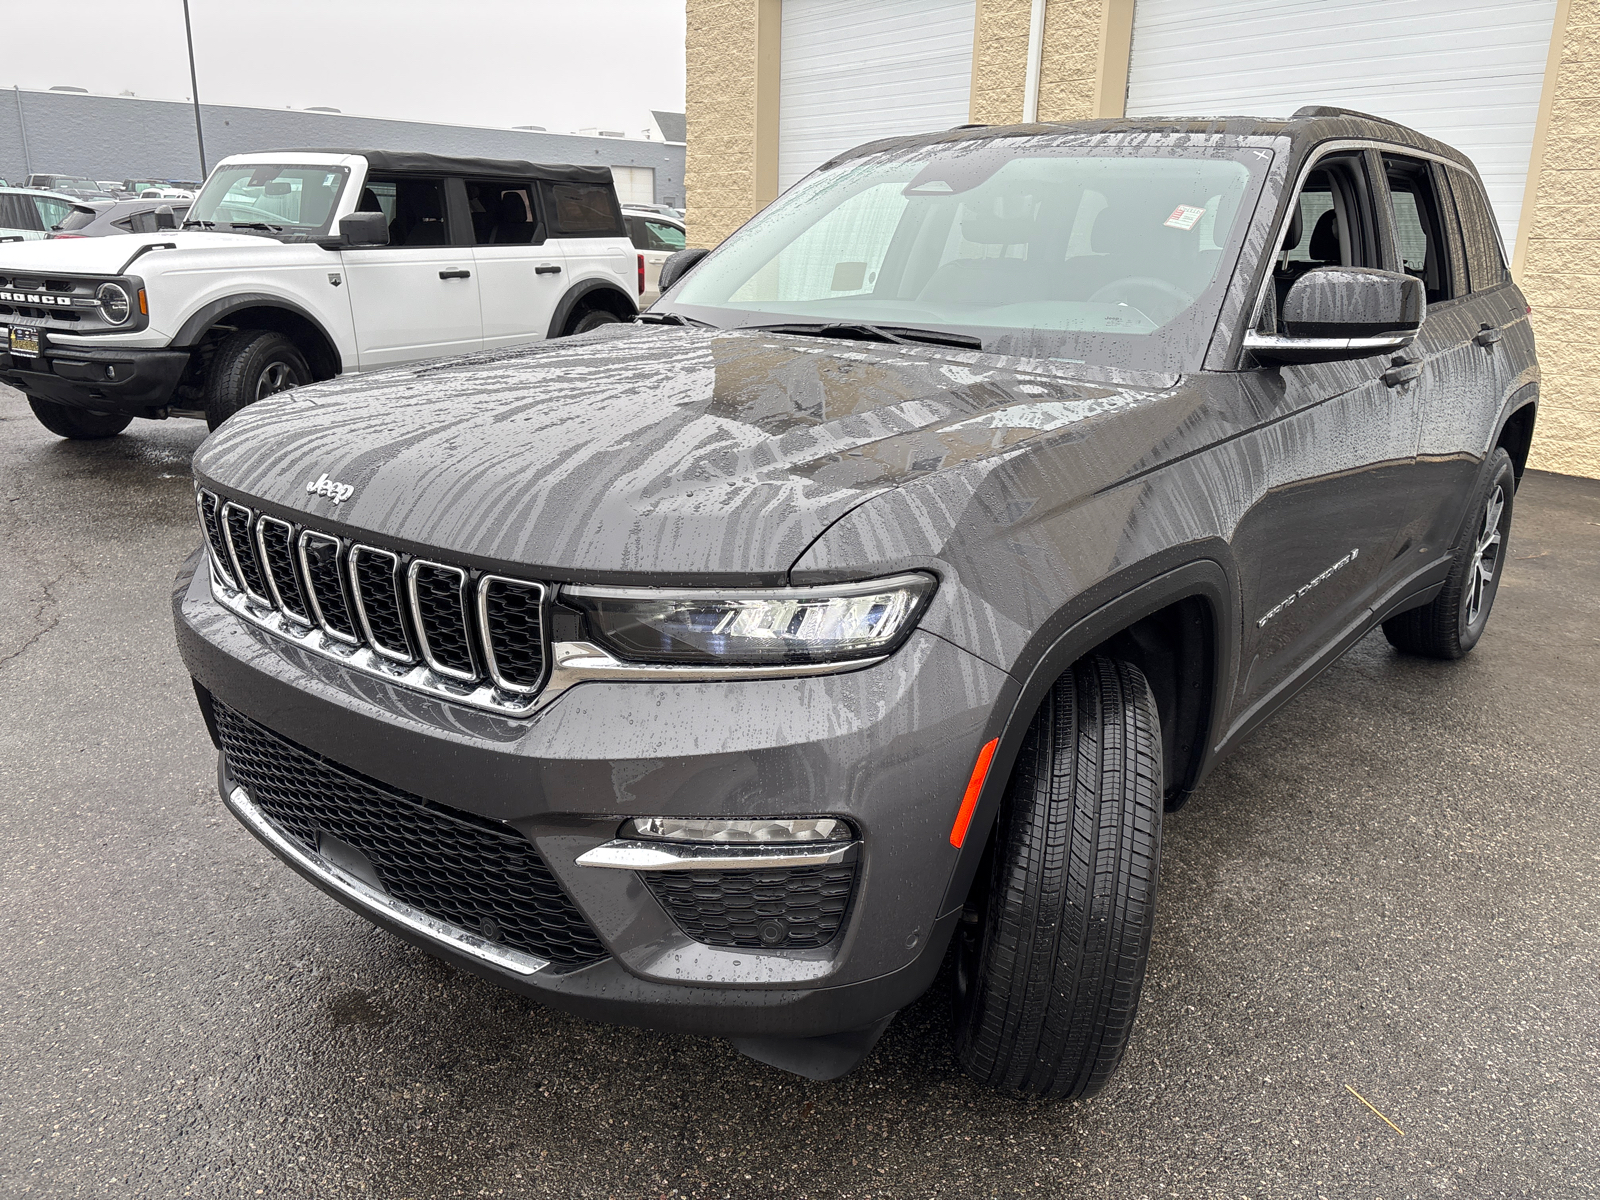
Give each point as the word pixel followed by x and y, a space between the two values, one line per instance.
pixel 871 599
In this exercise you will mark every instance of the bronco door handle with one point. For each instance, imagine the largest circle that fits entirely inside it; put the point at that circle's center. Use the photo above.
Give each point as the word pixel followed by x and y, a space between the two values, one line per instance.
pixel 455 274
pixel 1401 371
pixel 1487 336
pixel 547 269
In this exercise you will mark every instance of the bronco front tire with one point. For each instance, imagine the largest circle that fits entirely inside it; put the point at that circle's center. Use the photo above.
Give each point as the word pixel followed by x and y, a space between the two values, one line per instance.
pixel 1051 952
pixel 77 423
pixel 251 365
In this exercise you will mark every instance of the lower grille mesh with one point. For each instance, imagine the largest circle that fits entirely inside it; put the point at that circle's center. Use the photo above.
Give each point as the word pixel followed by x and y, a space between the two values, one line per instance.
pixel 782 907
pixel 462 869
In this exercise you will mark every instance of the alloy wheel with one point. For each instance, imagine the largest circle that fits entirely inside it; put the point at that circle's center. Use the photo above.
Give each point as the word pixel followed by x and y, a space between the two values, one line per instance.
pixel 275 377
pixel 1485 565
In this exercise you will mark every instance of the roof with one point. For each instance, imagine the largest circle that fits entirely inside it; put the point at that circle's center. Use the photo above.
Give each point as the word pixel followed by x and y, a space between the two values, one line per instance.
pixel 415 162
pixel 1309 125
pixel 674 126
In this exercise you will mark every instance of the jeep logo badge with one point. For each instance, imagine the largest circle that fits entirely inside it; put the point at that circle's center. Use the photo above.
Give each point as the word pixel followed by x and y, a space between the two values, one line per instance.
pixel 323 486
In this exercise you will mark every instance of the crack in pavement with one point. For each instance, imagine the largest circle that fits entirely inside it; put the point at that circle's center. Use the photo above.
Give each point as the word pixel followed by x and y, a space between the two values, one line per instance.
pixel 47 602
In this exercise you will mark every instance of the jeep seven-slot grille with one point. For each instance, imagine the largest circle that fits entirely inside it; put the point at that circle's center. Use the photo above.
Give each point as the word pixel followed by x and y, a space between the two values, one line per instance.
pixel 469 871
pixel 435 626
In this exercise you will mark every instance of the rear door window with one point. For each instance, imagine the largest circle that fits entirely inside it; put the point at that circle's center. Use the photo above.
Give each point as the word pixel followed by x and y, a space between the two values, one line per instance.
pixel 18 212
pixel 1418 226
pixel 1486 264
pixel 662 236
pixel 504 212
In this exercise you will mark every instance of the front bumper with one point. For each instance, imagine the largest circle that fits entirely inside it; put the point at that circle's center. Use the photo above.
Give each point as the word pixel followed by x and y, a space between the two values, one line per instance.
pixel 890 748
pixel 137 382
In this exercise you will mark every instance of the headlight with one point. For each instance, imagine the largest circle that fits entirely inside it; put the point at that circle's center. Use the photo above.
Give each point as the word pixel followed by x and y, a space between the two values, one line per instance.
pixel 755 627
pixel 115 303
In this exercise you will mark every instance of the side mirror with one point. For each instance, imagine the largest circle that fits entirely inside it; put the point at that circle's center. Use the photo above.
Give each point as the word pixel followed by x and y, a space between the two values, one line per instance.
pixel 360 229
pixel 1334 313
pixel 678 265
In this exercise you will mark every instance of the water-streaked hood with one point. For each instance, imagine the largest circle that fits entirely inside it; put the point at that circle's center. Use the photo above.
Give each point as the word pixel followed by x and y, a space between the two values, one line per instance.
pixel 642 453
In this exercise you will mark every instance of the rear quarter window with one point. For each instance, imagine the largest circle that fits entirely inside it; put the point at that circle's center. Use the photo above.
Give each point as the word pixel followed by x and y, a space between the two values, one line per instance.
pixel 1486 264
pixel 585 210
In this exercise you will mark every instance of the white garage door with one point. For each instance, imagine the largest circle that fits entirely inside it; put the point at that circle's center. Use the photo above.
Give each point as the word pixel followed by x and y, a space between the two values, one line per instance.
pixel 635 185
pixel 1467 72
pixel 851 71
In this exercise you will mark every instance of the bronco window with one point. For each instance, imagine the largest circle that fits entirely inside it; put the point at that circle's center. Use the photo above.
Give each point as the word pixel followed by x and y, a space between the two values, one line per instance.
pixel 1110 254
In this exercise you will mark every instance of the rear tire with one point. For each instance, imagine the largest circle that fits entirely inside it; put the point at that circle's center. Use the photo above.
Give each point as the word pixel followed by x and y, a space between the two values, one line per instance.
pixel 1450 625
pixel 1051 952
pixel 593 319
pixel 248 366
pixel 77 423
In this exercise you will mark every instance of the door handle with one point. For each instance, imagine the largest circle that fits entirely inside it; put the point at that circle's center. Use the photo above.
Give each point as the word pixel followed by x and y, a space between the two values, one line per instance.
pixel 1401 371
pixel 547 269
pixel 1487 336
pixel 455 273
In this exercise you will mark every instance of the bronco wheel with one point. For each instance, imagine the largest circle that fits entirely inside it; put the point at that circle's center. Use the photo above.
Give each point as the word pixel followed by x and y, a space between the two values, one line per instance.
pixel 1452 623
pixel 249 366
pixel 1051 952
pixel 77 423
pixel 593 319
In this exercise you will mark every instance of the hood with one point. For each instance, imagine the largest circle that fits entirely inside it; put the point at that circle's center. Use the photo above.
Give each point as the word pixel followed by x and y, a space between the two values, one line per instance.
pixel 642 453
pixel 105 255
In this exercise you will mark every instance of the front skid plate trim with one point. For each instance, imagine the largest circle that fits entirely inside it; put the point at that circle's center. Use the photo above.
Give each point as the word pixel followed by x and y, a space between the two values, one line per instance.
pixel 456 938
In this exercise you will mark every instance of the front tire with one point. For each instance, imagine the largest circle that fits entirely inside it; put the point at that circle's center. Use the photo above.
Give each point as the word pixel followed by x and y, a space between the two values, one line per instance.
pixel 251 365
pixel 1450 625
pixel 1052 949
pixel 77 423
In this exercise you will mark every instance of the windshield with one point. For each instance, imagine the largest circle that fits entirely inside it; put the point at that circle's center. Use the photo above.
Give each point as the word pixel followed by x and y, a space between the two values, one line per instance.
pixel 285 197
pixel 1113 255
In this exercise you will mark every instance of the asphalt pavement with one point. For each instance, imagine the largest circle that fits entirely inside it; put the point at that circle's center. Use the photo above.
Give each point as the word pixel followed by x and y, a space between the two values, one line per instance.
pixel 1392 888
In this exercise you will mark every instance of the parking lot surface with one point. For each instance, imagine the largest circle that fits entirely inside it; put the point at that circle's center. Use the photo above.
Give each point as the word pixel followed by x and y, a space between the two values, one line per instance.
pixel 1392 888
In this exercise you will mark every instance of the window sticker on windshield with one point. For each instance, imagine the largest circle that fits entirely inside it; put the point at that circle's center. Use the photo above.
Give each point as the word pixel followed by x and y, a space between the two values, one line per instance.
pixel 1184 217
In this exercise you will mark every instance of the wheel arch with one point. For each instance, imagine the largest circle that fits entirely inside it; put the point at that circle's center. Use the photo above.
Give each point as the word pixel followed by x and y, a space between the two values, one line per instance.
pixel 587 294
pixel 1180 627
pixel 1515 431
pixel 260 310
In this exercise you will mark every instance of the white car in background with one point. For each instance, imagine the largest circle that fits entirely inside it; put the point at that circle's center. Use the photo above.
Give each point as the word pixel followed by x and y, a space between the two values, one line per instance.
pixel 27 215
pixel 655 236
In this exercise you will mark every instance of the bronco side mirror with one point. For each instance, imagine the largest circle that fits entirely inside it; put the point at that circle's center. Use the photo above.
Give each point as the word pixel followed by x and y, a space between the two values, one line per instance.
pixel 1334 313
pixel 359 229
pixel 677 266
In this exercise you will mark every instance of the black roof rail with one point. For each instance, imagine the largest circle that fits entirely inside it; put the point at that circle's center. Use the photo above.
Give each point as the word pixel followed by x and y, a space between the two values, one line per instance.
pixel 1325 110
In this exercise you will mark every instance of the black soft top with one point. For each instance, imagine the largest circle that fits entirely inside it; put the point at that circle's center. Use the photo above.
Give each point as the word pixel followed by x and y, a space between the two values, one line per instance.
pixel 1306 128
pixel 414 162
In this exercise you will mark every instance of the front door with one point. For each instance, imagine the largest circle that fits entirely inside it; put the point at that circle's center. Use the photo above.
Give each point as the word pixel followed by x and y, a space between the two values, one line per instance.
pixel 417 297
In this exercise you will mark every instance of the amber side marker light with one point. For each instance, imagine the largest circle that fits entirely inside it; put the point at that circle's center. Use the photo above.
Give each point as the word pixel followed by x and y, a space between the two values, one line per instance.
pixel 144 307
pixel 969 802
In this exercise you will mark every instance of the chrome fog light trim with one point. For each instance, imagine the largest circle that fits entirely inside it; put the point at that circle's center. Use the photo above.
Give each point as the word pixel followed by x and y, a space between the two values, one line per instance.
pixel 625 854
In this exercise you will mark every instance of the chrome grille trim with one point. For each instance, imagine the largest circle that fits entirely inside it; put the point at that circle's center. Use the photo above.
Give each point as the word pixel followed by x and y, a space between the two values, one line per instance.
pixel 307 537
pixel 401 654
pixel 239 572
pixel 417 566
pixel 211 523
pixel 487 628
pixel 266 566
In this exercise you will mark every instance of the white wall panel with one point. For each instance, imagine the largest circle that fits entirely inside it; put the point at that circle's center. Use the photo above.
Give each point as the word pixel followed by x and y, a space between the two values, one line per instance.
pixel 1467 72
pixel 854 70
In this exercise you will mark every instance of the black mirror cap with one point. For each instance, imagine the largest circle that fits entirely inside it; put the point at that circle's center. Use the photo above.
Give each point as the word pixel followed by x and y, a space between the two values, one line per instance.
pixel 364 229
pixel 679 264
pixel 1354 302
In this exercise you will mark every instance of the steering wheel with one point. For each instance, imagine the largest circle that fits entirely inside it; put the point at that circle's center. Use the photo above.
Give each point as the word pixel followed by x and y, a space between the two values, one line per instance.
pixel 1114 292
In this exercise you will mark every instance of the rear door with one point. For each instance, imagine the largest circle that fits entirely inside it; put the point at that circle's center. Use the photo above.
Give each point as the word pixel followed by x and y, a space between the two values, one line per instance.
pixel 586 223
pixel 417 297
pixel 521 273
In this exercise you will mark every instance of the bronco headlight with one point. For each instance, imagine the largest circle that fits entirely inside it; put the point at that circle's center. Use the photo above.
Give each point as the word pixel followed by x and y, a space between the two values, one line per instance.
pixel 755 626
pixel 115 303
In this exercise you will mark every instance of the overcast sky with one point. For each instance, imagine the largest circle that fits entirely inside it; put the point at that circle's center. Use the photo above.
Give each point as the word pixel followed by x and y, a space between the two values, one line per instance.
pixel 566 66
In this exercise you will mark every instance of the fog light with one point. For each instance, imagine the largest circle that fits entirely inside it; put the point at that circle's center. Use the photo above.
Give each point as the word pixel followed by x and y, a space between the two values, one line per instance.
pixel 767 831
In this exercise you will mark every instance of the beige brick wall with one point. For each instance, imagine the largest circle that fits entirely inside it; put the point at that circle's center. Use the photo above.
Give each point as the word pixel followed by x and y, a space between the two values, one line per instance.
pixel 725 106
pixel 1560 270
pixel 1067 68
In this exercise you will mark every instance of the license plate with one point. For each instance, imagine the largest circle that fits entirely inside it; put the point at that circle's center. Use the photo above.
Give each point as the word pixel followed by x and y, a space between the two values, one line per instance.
pixel 24 341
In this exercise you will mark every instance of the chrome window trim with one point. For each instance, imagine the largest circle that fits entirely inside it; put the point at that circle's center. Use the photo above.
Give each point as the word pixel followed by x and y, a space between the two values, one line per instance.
pixel 205 529
pixel 488 638
pixel 306 535
pixel 639 854
pixel 242 580
pixel 363 894
pixel 266 566
pixel 418 564
pixel 399 656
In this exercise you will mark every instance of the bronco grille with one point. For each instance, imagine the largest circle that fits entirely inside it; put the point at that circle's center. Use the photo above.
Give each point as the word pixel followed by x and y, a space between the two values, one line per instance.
pixel 474 638
pixel 468 871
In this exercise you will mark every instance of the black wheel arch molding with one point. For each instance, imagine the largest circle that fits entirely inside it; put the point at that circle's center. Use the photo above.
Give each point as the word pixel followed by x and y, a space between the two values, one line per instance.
pixel 587 290
pixel 324 358
pixel 1513 429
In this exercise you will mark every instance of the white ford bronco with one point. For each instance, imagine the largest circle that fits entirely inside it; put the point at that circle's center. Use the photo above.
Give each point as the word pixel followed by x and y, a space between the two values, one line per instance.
pixel 299 265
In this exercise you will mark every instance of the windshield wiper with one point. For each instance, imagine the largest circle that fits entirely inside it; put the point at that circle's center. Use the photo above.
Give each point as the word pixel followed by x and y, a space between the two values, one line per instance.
pixel 255 225
pixel 206 224
pixel 671 318
pixel 859 331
